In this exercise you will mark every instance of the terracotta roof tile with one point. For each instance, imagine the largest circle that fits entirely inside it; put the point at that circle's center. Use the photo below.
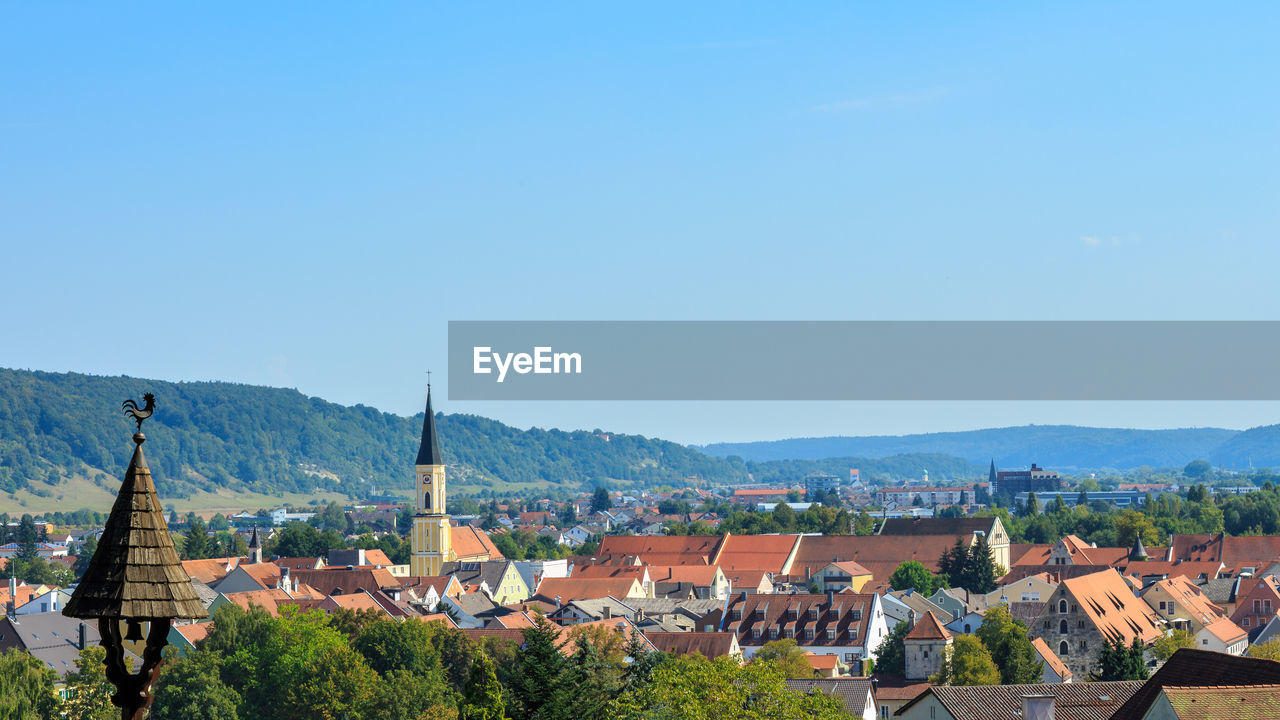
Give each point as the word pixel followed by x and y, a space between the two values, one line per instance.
pixel 928 628
pixel 1110 604
pixel 708 644
pixel 1072 701
pixel 1251 702
pixel 1199 668
pixel 1052 660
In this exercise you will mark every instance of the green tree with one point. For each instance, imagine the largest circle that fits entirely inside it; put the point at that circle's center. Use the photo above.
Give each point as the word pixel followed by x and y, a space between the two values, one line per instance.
pixel 600 500
pixel 864 524
pixel 914 575
pixel 1197 469
pixel 26 688
pixel 85 553
pixel 192 689
pixel 891 653
pixel 197 545
pixel 1006 639
pixel 1269 650
pixel 967 663
pixel 1172 642
pixel 1116 661
pixel 541 666
pixel 88 692
pixel 593 681
pixel 693 688
pixel 785 516
pixel 1131 524
pixel 333 518
pixel 483 697
pixel 787 656
pixel 1032 506
pixel 219 523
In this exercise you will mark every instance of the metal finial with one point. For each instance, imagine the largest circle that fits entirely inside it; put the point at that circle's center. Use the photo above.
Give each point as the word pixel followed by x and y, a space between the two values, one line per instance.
pixel 428 379
pixel 140 413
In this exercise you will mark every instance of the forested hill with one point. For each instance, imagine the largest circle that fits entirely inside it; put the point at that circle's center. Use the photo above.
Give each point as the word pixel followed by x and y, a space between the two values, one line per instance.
pixel 1054 446
pixel 210 435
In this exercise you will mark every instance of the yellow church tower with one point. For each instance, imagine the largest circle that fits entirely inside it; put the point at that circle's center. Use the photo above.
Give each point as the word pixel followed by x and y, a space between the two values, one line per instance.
pixel 431 532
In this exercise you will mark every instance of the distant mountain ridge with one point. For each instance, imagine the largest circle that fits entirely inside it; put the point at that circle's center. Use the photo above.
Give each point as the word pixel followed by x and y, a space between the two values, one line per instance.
pixel 1066 447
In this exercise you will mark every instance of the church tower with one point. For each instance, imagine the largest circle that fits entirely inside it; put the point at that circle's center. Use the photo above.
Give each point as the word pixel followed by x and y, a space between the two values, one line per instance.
pixel 431 532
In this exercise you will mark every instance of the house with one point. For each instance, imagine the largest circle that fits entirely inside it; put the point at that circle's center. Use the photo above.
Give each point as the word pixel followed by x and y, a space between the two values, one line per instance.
pixel 926 645
pixel 958 603
pixel 1258 606
pixel 1085 612
pixel 183 638
pixel 429 590
pixel 1072 701
pixel 707 644
pixel 1181 604
pixel 1245 554
pixel 851 625
pixel 53 638
pixel 1054 670
pixel 210 571
pixel 842 575
pixel 532 571
pixel 854 693
pixel 506 584
pixel 51 600
pixel 1189 668
pixel 893 693
pixel 1224 636
pixel 967 528
pixel 907 606
pixel 1032 588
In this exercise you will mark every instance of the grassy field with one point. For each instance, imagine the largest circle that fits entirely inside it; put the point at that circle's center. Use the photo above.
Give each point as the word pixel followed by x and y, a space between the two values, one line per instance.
pixel 83 492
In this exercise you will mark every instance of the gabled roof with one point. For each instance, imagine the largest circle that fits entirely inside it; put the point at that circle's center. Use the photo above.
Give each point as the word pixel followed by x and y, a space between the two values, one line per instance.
pixel 1051 659
pixel 210 570
pixel 1227 632
pixel 52 638
pixel 1188 595
pixel 1072 701
pixel 1199 668
pixel 877 553
pixel 708 644
pixel 1106 599
pixel 1253 702
pixel 567 589
pixel 472 542
pixel 852 692
pixel 928 628
pixel 937 526
pixel 194 632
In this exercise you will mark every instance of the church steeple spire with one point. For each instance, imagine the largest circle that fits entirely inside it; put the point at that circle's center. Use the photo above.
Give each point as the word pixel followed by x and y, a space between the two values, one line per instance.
pixel 429 450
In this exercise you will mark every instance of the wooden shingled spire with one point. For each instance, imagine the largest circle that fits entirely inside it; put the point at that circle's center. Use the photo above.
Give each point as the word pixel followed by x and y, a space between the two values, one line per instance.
pixel 135 573
pixel 134 579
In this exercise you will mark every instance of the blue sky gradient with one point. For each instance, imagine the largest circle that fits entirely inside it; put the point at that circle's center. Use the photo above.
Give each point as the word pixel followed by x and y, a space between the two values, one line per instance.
pixel 304 194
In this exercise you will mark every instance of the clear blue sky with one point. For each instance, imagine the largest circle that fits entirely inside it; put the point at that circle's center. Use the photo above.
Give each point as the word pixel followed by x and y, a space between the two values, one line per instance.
pixel 303 194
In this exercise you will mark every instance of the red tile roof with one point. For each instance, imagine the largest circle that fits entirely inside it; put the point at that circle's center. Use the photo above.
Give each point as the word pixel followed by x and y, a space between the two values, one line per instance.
pixel 1106 599
pixel 708 644
pixel 928 628
pixel 1052 660
pixel 1199 668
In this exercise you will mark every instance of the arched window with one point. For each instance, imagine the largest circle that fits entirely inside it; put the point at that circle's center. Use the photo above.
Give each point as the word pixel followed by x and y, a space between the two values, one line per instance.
pixel 426 501
pixel 967 628
pixel 1062 627
pixel 1063 648
pixel 1062 606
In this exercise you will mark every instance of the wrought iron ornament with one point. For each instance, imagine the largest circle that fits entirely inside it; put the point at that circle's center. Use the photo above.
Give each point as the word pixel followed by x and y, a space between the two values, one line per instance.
pixel 140 413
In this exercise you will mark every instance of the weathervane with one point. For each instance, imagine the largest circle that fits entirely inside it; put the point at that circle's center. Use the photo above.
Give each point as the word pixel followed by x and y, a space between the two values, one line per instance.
pixel 140 413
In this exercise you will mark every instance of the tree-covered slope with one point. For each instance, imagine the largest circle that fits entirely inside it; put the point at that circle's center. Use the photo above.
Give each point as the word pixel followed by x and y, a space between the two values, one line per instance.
pixel 211 435
pixel 1057 446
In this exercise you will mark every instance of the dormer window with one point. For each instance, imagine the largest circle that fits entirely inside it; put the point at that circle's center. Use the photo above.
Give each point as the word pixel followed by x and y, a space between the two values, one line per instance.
pixel 813 613
pixel 736 614
pixel 857 615
pixel 793 613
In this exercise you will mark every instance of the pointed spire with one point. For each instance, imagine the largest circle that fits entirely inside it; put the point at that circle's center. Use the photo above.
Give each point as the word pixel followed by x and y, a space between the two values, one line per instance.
pixel 253 541
pixel 135 572
pixel 429 451
pixel 991 477
pixel 1138 552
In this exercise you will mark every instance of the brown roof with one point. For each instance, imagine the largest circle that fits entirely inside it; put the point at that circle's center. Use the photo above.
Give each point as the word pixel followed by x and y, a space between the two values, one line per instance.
pixel 1032 553
pixel 340 580
pixel 1226 631
pixel 1199 668
pixel 852 692
pixel 269 600
pixel 1072 701
pixel 852 616
pixel 194 632
pixel 1251 702
pixel 135 572
pixel 928 628
pixel 352 601
pixel 937 526
pixel 209 571
pixel 874 552
pixel 660 550
pixel 1188 595
pixel 708 644
pixel 1051 659
pixel 296 563
pixel 471 542
pixel 377 557
pixel 573 588
pixel 1236 552
pixel 890 687
pixel 1109 603
pixel 1177 568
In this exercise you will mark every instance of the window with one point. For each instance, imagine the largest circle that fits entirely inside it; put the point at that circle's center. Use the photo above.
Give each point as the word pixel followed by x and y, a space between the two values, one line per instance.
pixel 1084 645
pixel 1064 649
pixel 755 633
pixel 853 634
pixel 793 613
pixel 773 633
pixel 736 613
pixel 925 654
pixel 884 711
pixel 1046 624
pixel 1266 606
pixel 1062 627
pixel 831 633
pixel 1204 641
pixel 1062 606
pixel 789 633
pixel 1161 604
pixel 813 613
pixel 857 615
pixel 1080 624
pixel 808 634
pixel 849 658
pixel 1257 606
pixel 1244 623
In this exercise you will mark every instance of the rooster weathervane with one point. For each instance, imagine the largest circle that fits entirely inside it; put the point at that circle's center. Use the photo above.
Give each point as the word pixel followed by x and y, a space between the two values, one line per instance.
pixel 139 414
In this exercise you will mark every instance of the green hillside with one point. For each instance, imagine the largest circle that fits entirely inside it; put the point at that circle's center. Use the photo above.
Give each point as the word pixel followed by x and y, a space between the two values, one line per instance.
pixel 213 436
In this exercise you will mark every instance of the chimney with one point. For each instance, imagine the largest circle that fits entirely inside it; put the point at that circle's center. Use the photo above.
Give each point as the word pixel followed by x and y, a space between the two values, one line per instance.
pixel 82 636
pixel 557 602
pixel 283 583
pixel 608 612
pixel 1037 707
pixel 831 598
